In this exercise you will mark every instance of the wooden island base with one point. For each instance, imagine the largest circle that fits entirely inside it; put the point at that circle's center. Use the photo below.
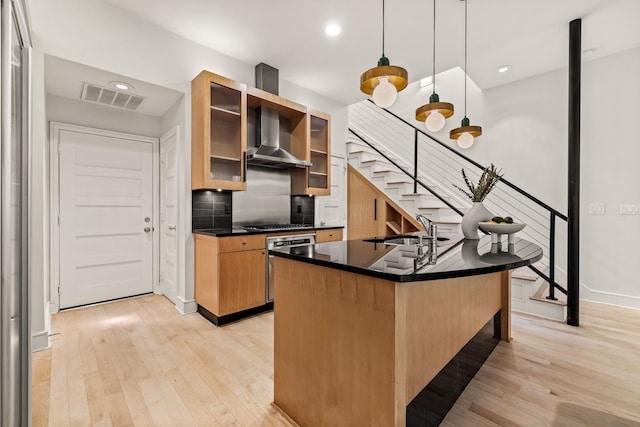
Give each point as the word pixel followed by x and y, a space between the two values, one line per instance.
pixel 351 349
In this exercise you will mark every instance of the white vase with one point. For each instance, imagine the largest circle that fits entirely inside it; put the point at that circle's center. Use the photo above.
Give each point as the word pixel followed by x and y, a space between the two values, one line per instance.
pixel 472 217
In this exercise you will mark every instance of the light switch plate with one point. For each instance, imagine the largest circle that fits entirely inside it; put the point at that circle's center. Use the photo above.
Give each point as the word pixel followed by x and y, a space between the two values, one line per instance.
pixel 597 209
pixel 629 209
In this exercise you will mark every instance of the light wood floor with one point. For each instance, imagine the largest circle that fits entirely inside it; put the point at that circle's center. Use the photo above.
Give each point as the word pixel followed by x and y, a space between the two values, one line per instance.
pixel 139 362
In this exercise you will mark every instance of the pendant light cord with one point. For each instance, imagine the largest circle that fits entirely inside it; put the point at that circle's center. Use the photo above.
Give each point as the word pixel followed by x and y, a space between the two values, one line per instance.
pixel 433 76
pixel 465 57
pixel 382 27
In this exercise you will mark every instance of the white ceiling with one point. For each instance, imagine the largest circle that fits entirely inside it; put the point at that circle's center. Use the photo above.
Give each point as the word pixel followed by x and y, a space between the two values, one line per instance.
pixel 66 78
pixel 531 36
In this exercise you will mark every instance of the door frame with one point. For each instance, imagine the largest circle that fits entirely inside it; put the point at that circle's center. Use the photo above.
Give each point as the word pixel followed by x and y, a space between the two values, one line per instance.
pixel 180 266
pixel 54 202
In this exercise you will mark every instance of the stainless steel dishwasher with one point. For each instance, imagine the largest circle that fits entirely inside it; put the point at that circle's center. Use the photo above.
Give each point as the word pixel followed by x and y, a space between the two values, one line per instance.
pixel 274 242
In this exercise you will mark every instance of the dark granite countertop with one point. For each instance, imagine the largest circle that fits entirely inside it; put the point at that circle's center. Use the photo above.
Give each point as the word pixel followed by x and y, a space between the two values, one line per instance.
pixel 455 257
pixel 225 232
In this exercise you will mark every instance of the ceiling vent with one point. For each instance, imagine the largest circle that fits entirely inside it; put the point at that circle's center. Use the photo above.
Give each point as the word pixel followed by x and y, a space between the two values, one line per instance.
pixel 111 97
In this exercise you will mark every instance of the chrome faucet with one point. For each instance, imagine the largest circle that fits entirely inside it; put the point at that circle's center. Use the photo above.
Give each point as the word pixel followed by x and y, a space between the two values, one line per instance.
pixel 429 226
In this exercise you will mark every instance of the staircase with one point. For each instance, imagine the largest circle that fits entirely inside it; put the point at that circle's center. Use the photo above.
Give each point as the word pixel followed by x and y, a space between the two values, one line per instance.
pixel 399 187
pixel 390 172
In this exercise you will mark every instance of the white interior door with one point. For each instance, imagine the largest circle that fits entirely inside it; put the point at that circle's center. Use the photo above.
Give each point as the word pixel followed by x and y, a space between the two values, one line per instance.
pixel 105 217
pixel 169 215
pixel 331 209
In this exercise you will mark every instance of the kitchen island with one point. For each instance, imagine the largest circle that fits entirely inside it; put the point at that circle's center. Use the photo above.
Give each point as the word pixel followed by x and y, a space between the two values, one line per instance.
pixel 379 334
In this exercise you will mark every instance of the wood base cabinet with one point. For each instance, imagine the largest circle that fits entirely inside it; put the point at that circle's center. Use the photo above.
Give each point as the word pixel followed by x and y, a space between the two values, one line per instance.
pixel 330 235
pixel 230 273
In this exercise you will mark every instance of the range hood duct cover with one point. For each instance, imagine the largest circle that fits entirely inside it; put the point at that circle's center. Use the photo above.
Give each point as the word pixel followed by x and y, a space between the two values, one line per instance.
pixel 268 153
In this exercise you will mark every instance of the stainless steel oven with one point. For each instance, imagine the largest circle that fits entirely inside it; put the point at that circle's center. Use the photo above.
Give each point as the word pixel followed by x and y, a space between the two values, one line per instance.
pixel 274 242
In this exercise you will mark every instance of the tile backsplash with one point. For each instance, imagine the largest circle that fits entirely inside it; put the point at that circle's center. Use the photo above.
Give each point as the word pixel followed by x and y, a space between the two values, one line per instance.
pixel 211 209
pixel 302 210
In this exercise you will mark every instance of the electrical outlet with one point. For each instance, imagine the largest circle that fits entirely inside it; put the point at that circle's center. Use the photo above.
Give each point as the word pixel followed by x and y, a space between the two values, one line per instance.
pixel 629 209
pixel 597 209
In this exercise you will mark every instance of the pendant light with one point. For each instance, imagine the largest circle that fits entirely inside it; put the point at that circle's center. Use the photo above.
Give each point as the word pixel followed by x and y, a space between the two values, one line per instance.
pixel 435 112
pixel 384 81
pixel 465 134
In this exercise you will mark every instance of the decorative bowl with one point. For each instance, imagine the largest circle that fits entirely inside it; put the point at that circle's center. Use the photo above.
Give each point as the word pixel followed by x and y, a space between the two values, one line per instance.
pixel 501 228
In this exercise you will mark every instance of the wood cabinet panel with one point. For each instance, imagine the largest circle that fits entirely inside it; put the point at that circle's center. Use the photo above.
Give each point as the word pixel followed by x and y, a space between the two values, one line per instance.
pixel 328 235
pixel 241 280
pixel 362 207
pixel 241 243
pixel 206 272
pixel 354 350
pixel 371 212
pixel 230 272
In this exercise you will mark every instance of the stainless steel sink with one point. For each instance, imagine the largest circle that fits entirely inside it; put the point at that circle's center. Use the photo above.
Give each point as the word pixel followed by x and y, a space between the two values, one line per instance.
pixel 401 240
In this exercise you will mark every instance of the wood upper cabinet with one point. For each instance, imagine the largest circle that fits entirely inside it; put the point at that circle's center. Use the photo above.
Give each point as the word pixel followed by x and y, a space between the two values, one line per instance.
pixel 218 133
pixel 316 179
pixel 222 113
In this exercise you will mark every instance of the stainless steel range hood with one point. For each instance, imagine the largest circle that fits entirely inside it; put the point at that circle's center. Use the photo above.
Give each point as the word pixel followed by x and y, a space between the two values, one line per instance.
pixel 267 151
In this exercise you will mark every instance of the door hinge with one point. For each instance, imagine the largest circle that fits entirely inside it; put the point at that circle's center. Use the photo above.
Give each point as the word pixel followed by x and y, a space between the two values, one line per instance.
pixel 58 219
pixel 58 289
pixel 59 149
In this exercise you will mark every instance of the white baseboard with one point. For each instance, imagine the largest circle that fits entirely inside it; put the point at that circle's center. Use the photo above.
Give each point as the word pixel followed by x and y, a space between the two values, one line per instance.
pixel 53 308
pixel 611 298
pixel 39 341
pixel 186 307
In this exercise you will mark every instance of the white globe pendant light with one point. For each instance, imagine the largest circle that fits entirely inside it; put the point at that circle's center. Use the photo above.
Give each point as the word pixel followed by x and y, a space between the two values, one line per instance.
pixel 434 113
pixel 465 140
pixel 466 134
pixel 384 81
pixel 385 94
pixel 435 121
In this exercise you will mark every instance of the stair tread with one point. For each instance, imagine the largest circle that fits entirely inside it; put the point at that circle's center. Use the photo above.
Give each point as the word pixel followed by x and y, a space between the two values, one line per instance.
pixel 389 170
pixel 560 301
pixel 400 181
pixel 525 273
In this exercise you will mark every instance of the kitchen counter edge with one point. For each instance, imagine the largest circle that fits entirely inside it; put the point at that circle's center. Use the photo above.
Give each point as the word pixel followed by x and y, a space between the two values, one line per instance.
pixel 225 232
pixel 411 277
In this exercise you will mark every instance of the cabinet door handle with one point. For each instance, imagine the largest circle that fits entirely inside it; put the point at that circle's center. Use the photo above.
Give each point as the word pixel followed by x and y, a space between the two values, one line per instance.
pixel 375 209
pixel 244 167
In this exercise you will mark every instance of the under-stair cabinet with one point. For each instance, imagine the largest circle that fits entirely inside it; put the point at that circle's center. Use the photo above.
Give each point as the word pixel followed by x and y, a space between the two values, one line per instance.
pixel 373 213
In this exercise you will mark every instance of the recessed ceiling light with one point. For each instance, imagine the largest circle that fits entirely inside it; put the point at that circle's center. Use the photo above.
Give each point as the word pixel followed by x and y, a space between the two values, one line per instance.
pixel 121 85
pixel 427 81
pixel 332 30
pixel 504 68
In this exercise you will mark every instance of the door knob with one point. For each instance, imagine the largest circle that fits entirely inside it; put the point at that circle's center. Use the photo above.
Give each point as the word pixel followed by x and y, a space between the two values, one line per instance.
pixel 172 227
pixel 147 229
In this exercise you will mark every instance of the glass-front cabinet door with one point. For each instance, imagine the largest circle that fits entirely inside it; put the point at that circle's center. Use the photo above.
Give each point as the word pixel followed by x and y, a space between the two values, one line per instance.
pixel 314 179
pixel 219 133
pixel 319 179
